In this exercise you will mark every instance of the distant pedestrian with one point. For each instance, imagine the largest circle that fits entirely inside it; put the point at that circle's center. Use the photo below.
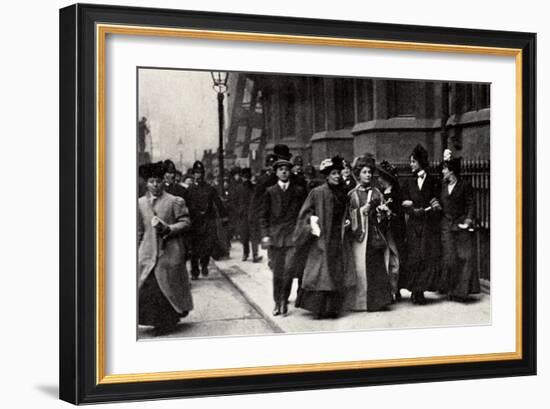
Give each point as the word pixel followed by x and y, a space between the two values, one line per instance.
pixel 348 182
pixel 205 206
pixel 164 290
pixel 248 237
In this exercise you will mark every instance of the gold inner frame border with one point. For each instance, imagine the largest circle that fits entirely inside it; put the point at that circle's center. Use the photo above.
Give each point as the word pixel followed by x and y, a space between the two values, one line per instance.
pixel 102 30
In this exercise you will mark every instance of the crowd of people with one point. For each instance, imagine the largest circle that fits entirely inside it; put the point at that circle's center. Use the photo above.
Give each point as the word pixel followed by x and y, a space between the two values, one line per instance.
pixel 353 237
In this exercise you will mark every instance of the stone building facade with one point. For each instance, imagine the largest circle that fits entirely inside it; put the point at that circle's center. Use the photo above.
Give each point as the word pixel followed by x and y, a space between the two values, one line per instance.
pixel 318 117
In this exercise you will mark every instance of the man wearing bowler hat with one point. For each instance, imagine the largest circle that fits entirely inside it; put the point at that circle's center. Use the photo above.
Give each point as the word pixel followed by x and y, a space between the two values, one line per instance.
pixel 280 206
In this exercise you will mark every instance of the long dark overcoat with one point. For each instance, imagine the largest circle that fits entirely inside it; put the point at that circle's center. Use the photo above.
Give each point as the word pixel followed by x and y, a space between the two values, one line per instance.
pixel 205 206
pixel 459 275
pixel 164 256
pixel 423 234
pixel 316 275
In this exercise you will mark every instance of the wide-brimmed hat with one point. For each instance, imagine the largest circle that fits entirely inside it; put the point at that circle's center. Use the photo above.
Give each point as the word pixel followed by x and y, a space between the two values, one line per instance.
pixel 330 164
pixel 152 170
pixel 282 151
pixel 387 171
pixel 282 162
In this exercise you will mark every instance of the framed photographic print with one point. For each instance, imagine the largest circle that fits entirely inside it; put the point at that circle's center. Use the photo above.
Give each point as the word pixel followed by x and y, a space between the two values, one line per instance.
pixel 257 203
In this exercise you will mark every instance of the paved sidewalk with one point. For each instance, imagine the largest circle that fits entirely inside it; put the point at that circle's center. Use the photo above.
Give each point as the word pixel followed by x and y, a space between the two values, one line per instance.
pixel 253 280
pixel 220 309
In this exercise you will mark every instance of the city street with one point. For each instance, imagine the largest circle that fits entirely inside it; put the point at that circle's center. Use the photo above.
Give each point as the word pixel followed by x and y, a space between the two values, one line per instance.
pixel 236 299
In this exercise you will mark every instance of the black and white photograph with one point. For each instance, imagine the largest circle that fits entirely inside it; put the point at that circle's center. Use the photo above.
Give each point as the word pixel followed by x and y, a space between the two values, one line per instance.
pixel 274 203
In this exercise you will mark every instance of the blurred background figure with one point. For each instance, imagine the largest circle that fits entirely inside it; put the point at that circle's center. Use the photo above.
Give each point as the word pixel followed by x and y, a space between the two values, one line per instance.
pixel 205 206
pixel 249 236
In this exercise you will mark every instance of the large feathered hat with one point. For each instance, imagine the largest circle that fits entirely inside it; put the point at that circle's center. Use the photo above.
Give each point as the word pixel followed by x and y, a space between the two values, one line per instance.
pixel 420 155
pixel 330 164
pixel 388 171
pixel 152 170
pixel 453 164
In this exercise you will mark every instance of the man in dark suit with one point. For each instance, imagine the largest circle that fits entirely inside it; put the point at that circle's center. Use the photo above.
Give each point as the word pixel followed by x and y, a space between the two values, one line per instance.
pixel 280 206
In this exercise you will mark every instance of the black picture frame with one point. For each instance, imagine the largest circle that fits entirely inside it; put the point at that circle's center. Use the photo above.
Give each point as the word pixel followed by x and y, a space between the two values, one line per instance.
pixel 78 198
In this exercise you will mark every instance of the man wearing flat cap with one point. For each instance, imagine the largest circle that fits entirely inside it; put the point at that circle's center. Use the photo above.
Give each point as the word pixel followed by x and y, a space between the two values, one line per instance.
pixel 163 288
pixel 205 206
pixel 280 206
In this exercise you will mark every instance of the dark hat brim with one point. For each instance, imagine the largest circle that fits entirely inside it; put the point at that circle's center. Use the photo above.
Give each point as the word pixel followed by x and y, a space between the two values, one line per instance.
pixel 282 162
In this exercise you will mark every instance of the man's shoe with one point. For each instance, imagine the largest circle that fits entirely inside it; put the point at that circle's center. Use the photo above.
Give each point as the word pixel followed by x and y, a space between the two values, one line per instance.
pixel 245 258
pixel 284 307
pixel 204 271
pixel 257 259
pixel 277 310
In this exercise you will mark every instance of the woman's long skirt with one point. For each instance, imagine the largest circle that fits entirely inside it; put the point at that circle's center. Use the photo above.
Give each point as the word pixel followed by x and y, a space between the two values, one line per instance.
pixel 327 304
pixel 154 307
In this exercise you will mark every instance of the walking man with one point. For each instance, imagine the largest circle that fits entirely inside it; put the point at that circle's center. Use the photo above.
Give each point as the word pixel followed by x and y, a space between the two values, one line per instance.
pixel 280 206
pixel 205 206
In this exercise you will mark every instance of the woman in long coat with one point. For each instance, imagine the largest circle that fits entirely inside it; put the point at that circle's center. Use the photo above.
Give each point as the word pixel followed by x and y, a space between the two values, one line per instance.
pixel 373 291
pixel 163 282
pixel 459 275
pixel 328 272
pixel 421 204
pixel 393 227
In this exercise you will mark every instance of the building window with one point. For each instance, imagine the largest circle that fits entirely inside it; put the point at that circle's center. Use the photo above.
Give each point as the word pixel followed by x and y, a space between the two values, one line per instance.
pixel 288 110
pixel 401 98
pixel 318 104
pixel 471 97
pixel 247 94
pixel 268 115
pixel 344 102
pixel 364 92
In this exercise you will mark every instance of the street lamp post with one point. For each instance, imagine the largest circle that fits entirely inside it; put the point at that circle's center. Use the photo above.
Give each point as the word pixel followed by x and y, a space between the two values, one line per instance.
pixel 219 79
